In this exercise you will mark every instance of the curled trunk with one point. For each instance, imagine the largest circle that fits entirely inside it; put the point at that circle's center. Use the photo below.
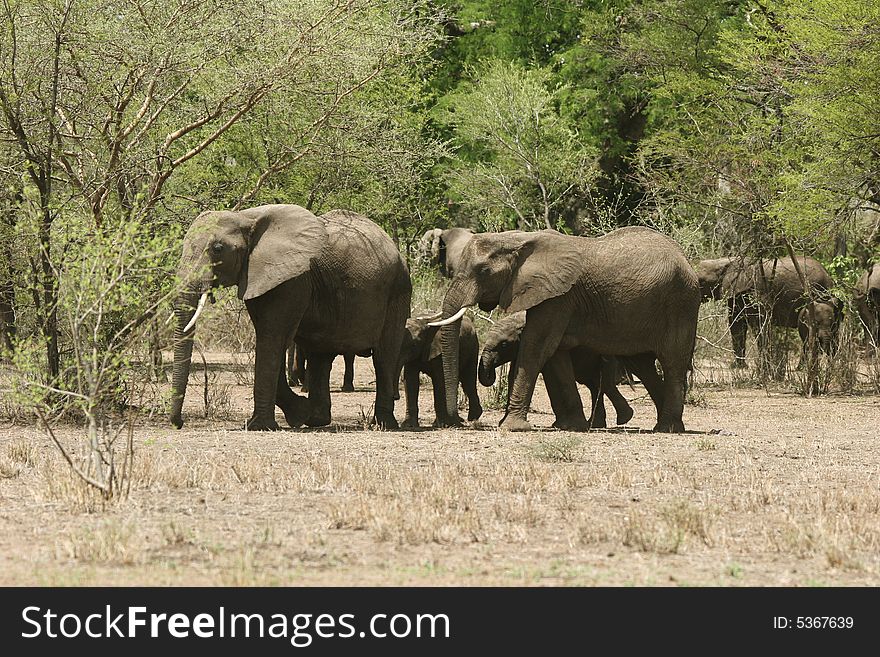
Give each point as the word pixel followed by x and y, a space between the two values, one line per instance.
pixel 184 309
pixel 487 368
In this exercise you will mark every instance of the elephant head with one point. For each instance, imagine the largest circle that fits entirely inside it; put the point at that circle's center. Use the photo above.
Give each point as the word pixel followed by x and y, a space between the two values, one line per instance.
pixel 500 347
pixel 418 341
pixel 256 249
pixel 514 270
pixel 827 313
pixel 723 277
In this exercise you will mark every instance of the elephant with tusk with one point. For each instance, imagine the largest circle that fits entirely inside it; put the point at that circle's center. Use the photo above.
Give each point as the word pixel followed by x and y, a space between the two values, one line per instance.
pixel 336 282
pixel 629 293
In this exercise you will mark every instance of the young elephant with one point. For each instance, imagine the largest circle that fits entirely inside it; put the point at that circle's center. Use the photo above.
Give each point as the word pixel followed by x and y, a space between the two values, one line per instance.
pixel 590 369
pixel 421 352
pixel 827 314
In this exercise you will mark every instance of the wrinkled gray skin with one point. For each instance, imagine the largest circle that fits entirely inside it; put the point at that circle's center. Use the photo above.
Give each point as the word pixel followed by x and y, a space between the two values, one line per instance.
pixel 867 302
pixel 827 316
pixel 442 248
pixel 752 292
pixel 336 282
pixel 420 353
pixel 590 369
pixel 629 293
pixel 296 369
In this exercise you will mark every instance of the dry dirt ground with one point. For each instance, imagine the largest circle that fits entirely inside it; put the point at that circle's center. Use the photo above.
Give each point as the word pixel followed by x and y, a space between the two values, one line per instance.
pixel 766 488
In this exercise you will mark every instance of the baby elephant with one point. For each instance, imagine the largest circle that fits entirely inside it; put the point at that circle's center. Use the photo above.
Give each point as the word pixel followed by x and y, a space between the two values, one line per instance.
pixel 827 314
pixel 598 373
pixel 421 352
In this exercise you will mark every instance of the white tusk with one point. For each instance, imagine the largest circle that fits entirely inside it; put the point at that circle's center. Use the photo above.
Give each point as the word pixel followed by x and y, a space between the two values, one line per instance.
pixel 435 315
pixel 449 320
pixel 199 309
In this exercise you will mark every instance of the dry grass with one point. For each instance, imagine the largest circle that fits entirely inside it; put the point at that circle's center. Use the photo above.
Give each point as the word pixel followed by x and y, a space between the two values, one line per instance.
pixel 776 489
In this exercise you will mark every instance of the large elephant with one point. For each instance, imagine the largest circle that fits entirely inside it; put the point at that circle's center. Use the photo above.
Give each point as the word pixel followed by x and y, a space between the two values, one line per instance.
pixel 442 248
pixel 630 293
pixel 769 289
pixel 867 302
pixel 336 282
pixel 590 369
pixel 420 353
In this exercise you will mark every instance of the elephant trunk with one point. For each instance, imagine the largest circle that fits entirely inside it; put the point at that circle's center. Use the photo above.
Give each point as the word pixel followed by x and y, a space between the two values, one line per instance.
pixel 488 363
pixel 184 311
pixel 460 295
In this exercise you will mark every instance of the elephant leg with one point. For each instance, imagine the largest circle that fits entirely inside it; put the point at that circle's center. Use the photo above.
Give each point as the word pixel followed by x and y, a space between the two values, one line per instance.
pixel 438 384
pixel 674 387
pixel 275 316
pixel 318 369
pixel 564 397
pixel 511 377
pixel 411 391
pixel 608 387
pixel 385 356
pixel 348 377
pixel 597 419
pixel 642 365
pixel 539 341
pixel 303 370
pixel 294 407
pixel 467 375
pixel 737 322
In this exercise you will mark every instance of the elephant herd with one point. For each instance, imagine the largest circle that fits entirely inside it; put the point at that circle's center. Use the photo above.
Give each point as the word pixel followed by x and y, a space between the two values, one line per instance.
pixel 578 309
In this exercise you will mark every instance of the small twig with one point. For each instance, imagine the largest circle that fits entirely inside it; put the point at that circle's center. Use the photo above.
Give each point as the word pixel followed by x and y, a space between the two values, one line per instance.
pixel 92 482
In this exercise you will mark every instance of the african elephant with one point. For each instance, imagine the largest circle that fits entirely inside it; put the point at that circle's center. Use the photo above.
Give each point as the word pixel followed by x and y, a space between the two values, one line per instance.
pixel 590 369
pixel 420 352
pixel 442 248
pixel 296 369
pixel 629 293
pixel 336 282
pixel 867 302
pixel 822 326
pixel 753 290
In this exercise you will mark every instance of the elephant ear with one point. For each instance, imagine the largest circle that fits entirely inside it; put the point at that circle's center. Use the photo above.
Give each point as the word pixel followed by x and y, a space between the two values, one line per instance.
pixel 433 348
pixel 283 242
pixel 547 265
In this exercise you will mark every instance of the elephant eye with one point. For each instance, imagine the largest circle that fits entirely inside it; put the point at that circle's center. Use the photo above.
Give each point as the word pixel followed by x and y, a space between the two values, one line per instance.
pixel 217 248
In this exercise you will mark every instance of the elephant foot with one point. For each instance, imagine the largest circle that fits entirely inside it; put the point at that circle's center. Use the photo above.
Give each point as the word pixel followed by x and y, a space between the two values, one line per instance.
pixel 386 421
pixel 598 423
pixel 513 423
pixel 296 413
pixel 571 424
pixel 669 426
pixel 475 410
pixel 624 415
pixel 177 421
pixel 410 423
pixel 261 424
pixel 347 387
pixel 318 419
pixel 456 421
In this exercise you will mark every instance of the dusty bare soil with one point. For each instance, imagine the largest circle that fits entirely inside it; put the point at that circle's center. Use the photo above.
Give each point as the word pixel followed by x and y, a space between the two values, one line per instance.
pixel 766 488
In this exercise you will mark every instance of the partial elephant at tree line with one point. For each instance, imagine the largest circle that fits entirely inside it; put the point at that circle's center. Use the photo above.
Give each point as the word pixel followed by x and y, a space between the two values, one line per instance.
pixel 590 369
pixel 765 292
pixel 629 293
pixel 442 248
pixel 867 302
pixel 421 353
pixel 336 283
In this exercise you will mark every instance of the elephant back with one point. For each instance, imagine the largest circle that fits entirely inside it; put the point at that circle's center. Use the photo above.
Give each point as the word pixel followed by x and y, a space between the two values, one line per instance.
pixel 360 252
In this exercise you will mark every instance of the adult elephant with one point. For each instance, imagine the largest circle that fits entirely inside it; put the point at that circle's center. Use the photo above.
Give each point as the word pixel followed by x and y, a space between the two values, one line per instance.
pixel 336 282
pixel 631 293
pixel 442 248
pixel 590 369
pixel 867 302
pixel 768 289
